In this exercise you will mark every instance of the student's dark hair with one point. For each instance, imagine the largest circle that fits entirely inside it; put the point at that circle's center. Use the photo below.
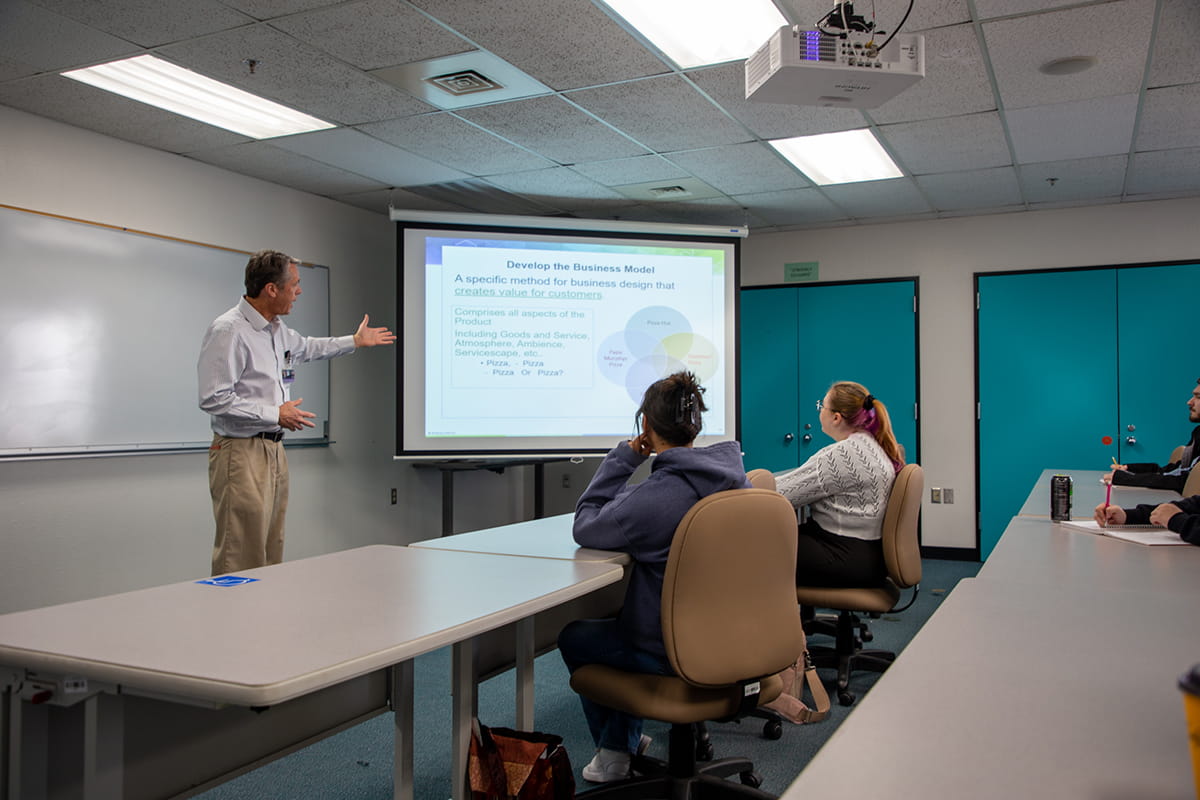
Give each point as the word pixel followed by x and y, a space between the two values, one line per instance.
pixel 266 266
pixel 860 408
pixel 672 407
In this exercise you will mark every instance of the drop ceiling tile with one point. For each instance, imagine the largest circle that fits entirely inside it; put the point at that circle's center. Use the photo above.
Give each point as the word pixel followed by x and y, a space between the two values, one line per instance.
pixel 93 109
pixel 791 207
pixel 374 33
pixel 975 189
pixel 1075 180
pixel 33 36
pixel 356 152
pixel 556 186
pixel 639 169
pixel 1002 8
pixel 448 140
pixel 925 13
pixel 563 48
pixel 1165 171
pixel 1101 126
pixel 714 211
pixel 476 194
pixel 265 161
pixel 150 23
pixel 948 145
pixel 11 69
pixel 664 113
pixel 897 197
pixel 553 128
pixel 741 169
pixel 294 74
pixel 726 84
pixel 1116 33
pixel 955 82
pixel 268 9
pixel 1173 58
pixel 1170 118
pixel 381 200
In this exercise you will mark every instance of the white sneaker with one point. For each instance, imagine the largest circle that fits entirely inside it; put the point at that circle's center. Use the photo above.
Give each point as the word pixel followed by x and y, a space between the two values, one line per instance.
pixel 607 766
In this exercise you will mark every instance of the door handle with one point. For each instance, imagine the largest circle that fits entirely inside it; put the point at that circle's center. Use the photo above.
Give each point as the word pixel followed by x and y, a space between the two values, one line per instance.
pixel 1130 440
pixel 807 438
pixel 787 438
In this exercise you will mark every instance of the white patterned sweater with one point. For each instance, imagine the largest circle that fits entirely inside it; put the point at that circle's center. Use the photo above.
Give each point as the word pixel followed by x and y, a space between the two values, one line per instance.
pixel 845 485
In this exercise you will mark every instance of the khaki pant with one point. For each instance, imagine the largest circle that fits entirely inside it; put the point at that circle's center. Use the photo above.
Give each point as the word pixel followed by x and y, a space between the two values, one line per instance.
pixel 248 480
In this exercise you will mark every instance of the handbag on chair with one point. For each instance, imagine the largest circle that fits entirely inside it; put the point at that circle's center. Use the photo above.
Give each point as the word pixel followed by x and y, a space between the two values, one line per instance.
pixel 790 704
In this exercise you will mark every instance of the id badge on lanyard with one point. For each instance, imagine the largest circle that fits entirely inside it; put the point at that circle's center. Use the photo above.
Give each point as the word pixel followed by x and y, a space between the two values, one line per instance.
pixel 289 374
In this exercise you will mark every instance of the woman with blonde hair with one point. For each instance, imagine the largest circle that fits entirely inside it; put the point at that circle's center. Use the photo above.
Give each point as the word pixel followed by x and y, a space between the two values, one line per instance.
pixel 845 486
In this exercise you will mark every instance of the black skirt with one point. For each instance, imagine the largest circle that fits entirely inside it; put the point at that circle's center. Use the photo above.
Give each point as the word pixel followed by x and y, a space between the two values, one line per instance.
pixel 828 559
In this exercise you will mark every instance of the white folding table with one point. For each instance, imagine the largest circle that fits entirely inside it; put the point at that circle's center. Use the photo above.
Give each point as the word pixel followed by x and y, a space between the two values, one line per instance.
pixel 295 628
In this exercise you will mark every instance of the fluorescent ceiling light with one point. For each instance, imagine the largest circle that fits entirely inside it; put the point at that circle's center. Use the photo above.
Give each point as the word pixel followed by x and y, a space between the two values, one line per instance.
pixel 159 83
pixel 693 33
pixel 845 157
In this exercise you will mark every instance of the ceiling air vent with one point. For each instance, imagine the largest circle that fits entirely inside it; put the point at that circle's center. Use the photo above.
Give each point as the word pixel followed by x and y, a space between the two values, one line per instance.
pixel 466 81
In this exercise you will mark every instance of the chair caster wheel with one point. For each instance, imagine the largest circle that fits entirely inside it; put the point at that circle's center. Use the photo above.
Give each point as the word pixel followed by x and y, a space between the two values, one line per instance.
pixel 846 698
pixel 751 779
pixel 772 729
pixel 704 750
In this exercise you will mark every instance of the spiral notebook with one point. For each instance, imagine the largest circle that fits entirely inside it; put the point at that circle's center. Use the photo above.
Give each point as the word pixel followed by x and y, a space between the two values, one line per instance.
pixel 1142 534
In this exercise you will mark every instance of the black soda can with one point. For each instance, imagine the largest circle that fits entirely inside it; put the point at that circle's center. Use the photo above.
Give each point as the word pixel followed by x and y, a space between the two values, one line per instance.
pixel 1060 498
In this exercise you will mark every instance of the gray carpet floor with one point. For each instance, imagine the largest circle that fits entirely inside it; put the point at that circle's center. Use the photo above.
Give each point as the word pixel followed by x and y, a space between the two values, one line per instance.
pixel 356 764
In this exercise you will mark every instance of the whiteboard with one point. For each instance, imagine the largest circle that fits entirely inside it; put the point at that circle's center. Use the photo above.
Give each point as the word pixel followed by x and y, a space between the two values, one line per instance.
pixel 100 330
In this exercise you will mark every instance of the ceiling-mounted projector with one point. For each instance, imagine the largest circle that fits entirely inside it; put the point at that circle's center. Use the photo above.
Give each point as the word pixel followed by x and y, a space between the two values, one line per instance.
pixel 812 68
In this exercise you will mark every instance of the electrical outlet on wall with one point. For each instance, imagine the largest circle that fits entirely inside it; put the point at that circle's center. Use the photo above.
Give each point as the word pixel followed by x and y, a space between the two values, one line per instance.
pixel 947 495
pixel 935 495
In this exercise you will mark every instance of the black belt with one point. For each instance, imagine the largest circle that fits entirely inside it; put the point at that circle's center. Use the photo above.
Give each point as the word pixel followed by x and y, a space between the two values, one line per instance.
pixel 274 436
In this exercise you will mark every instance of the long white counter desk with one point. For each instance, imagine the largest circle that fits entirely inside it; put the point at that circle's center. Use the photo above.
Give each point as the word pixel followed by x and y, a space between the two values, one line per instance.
pixel 1051 674
pixel 1089 492
pixel 299 627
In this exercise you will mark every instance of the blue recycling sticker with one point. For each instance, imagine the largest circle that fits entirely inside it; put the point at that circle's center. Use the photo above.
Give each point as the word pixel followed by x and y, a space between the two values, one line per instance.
pixel 227 580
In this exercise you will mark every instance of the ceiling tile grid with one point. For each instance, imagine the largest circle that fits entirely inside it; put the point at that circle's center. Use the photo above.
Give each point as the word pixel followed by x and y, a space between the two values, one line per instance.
pixel 664 114
pixel 986 131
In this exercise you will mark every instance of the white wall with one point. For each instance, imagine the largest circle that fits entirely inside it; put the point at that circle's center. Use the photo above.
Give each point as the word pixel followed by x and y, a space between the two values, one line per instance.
pixel 944 255
pixel 72 529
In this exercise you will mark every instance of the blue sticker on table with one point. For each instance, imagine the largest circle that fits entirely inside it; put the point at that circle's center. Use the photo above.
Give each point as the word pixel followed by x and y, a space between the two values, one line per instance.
pixel 227 580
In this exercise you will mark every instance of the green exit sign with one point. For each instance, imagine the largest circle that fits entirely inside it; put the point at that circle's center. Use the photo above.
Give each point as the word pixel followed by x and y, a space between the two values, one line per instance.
pixel 800 271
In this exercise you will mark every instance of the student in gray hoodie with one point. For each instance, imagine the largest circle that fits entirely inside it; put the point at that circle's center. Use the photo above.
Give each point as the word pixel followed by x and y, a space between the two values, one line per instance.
pixel 640 520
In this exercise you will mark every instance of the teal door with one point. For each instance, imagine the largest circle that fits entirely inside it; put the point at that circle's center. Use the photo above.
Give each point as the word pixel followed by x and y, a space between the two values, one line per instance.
pixel 1158 369
pixel 861 332
pixel 768 406
pixel 797 340
pixel 1047 388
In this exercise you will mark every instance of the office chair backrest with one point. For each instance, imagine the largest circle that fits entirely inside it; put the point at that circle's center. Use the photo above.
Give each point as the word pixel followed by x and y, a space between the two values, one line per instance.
pixel 1176 454
pixel 761 479
pixel 729 592
pixel 1192 485
pixel 901 547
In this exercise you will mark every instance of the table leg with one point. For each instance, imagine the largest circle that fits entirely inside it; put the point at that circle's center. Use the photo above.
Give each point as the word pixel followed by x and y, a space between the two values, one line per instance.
pixel 463 710
pixel 524 658
pixel 402 712
pixel 103 747
pixel 447 502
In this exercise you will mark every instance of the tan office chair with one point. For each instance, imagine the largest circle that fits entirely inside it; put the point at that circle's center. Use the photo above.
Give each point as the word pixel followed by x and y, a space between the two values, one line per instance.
pixel 902 553
pixel 761 479
pixel 1192 485
pixel 1176 455
pixel 729 625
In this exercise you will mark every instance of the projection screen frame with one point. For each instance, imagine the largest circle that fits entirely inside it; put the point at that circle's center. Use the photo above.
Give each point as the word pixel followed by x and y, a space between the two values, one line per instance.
pixel 557 228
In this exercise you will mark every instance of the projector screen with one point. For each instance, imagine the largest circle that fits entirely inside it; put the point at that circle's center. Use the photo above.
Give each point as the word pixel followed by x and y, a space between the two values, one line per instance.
pixel 520 339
